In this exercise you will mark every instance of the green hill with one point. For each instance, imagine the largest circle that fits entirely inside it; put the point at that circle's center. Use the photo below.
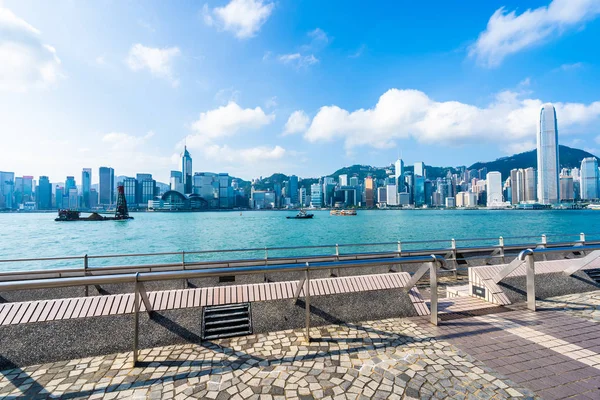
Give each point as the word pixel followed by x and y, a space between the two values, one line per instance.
pixel 568 157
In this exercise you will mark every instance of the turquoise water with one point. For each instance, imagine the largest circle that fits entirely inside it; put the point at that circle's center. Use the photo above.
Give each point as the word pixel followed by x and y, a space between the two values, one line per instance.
pixel 38 235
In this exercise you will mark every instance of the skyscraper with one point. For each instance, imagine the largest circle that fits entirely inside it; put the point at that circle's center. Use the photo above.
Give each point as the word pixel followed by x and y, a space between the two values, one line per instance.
pixel 517 185
pixel 186 171
pixel 530 184
pixel 494 188
pixel 176 182
pixel 589 178
pixel 369 189
pixel 399 173
pixel 107 186
pixel 70 183
pixel 44 194
pixel 7 182
pixel 293 189
pixel 547 156
pixel 86 183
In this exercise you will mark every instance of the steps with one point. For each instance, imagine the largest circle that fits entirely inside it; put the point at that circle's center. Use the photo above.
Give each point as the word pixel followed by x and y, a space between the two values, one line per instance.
pixel 594 274
pixel 230 320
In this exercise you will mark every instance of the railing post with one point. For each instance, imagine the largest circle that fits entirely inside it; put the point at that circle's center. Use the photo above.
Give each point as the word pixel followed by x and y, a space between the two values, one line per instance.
pixel 85 272
pixel 307 302
pixel 543 246
pixel 434 294
pixel 399 249
pixel 136 311
pixel 454 260
pixel 266 262
pixel 337 257
pixel 582 241
pixel 530 282
pixel 185 281
pixel 501 244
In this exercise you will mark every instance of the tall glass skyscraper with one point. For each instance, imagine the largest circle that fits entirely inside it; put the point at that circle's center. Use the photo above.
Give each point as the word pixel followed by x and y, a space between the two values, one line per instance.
pixel 547 156
pixel 294 189
pixel 589 178
pixel 107 186
pixel 186 171
pixel 399 173
pixel 86 183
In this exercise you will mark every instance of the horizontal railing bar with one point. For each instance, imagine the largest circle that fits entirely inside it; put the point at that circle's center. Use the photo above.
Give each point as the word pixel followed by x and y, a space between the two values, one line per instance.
pixel 43 259
pixel 196 273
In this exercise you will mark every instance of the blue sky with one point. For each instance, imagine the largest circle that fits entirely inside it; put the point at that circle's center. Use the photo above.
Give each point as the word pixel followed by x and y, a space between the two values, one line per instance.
pixel 255 87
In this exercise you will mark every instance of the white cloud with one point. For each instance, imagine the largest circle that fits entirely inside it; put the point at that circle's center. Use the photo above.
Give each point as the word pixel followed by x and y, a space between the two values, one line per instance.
pixel 318 40
pixel 571 67
pixel 243 18
pixel 402 114
pixel 296 123
pixel 228 95
pixel 25 61
pixel 508 33
pixel 298 60
pixel 358 52
pixel 158 61
pixel 228 120
pixel 271 103
pixel 244 155
pixel 123 140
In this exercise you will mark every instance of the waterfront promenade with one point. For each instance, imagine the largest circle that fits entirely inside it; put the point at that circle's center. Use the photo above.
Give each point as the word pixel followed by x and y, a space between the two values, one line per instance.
pixel 505 352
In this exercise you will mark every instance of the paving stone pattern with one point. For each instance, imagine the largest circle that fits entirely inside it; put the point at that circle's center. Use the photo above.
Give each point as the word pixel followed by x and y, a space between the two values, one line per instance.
pixel 392 358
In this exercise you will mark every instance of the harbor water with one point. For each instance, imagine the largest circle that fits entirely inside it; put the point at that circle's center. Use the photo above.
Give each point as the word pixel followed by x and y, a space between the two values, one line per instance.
pixel 37 235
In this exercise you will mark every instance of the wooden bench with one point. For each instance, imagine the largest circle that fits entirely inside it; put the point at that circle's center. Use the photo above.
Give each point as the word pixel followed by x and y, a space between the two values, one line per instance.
pixel 118 304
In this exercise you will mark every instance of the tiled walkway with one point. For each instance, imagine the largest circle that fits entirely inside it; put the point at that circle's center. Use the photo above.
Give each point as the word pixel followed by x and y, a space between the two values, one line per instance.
pixel 552 354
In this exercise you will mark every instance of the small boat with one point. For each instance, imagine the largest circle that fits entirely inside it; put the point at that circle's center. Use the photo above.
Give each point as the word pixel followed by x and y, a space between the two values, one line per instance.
pixel 594 206
pixel 301 215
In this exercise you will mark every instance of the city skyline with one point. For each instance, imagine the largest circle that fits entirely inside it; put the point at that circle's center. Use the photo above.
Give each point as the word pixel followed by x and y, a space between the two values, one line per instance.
pixel 295 89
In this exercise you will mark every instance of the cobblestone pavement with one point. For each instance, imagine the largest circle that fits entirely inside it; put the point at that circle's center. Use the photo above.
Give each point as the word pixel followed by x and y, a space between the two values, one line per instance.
pixel 583 305
pixel 384 359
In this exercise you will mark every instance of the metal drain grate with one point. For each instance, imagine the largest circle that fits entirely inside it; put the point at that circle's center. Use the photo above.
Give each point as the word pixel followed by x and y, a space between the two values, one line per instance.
pixel 226 321
pixel 594 274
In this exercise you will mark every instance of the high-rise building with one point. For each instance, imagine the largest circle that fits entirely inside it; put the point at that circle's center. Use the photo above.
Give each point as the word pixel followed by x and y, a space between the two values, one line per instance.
pixel 493 188
pixel 7 183
pixel 73 199
pixel 419 169
pixel 293 182
pixel 517 185
pixel 27 188
pixel 316 195
pixel 148 190
pixel 93 198
pixel 567 192
pixel 547 156
pixel 369 189
pixel 391 195
pixel 530 183
pixel 86 184
pixel 382 194
pixel 107 186
pixel 399 174
pixel 130 186
pixel 186 171
pixel 59 194
pixel 419 190
pixel 44 194
pixel 70 183
pixel 589 178
pixel 343 180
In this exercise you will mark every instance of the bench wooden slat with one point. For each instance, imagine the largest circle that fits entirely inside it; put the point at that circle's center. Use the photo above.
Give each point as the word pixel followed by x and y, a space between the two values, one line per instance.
pixel 185 295
pixel 274 290
pixel 19 316
pixel 108 306
pixel 4 310
pixel 262 296
pixel 63 309
pixel 30 311
pixel 114 308
pixel 171 302
pixel 100 306
pixel 178 299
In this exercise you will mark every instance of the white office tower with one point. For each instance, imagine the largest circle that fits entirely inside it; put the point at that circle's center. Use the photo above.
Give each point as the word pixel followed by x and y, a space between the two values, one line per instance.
pixel 392 195
pixel 344 180
pixel 399 173
pixel 493 189
pixel 547 156
pixel 589 178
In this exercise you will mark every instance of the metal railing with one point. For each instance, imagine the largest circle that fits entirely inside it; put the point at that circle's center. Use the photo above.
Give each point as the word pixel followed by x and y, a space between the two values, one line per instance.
pixel 527 256
pixel 189 259
pixel 138 278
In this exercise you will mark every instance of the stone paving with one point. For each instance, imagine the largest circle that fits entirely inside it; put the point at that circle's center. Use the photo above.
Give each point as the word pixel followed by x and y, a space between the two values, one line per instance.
pixel 554 353
pixel 383 359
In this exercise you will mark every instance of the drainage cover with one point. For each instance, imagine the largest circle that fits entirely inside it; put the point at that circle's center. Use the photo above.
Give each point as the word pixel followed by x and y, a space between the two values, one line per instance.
pixel 594 274
pixel 226 321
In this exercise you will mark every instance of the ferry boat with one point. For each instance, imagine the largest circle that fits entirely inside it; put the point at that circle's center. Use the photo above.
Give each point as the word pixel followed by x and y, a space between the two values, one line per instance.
pixel 594 207
pixel 342 212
